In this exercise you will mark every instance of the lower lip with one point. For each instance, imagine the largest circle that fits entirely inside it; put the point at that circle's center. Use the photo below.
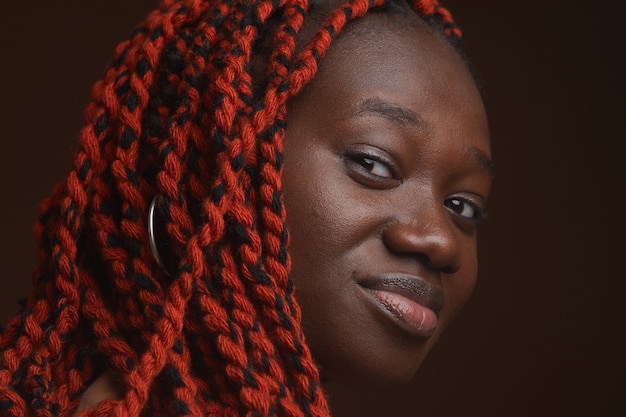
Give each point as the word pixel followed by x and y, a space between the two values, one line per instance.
pixel 411 316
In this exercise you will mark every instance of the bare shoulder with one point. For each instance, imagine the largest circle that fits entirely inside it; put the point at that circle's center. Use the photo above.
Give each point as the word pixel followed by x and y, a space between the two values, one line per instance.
pixel 106 387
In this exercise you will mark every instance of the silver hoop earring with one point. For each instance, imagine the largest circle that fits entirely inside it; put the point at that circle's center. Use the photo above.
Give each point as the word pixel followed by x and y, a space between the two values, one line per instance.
pixel 152 235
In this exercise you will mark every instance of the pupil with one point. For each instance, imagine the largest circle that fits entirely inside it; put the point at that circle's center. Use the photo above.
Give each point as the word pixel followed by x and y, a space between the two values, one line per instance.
pixel 367 163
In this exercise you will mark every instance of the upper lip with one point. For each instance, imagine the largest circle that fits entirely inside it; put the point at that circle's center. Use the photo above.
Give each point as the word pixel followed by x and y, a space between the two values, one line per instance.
pixel 413 287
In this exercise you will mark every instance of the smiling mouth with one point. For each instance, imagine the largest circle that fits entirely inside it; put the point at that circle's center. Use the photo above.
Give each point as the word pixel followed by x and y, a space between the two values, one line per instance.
pixel 410 302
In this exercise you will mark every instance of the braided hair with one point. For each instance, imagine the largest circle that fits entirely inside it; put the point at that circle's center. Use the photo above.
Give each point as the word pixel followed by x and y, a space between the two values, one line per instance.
pixel 184 113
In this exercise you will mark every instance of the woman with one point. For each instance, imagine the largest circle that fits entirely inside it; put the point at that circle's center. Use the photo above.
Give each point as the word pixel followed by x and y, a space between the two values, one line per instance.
pixel 221 177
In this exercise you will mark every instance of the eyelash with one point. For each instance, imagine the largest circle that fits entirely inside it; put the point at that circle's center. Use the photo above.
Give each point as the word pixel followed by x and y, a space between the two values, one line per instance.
pixel 365 165
pixel 452 204
pixel 362 164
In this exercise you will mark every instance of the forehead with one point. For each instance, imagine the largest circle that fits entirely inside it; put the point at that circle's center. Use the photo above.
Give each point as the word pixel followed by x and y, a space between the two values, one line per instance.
pixel 395 57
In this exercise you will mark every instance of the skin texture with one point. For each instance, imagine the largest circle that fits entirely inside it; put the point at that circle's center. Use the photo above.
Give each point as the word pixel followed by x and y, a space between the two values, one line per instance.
pixel 370 191
pixel 104 388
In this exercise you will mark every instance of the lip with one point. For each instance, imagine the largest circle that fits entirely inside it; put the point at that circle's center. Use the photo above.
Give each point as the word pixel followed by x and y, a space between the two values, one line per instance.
pixel 409 301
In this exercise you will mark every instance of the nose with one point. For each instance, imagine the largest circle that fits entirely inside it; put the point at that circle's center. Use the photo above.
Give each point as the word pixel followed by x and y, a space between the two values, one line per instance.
pixel 429 235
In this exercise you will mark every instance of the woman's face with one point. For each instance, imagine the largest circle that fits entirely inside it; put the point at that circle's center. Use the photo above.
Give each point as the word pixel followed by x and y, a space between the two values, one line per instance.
pixel 386 175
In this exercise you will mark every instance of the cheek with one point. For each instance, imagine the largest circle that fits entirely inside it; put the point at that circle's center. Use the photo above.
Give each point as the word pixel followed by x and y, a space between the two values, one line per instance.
pixel 320 227
pixel 323 211
pixel 459 287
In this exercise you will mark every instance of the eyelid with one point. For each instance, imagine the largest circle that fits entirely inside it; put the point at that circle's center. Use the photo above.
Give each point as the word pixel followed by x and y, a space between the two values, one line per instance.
pixel 353 158
pixel 375 153
pixel 478 206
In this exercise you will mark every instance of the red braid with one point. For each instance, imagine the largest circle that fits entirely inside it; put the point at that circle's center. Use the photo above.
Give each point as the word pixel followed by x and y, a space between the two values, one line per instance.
pixel 178 115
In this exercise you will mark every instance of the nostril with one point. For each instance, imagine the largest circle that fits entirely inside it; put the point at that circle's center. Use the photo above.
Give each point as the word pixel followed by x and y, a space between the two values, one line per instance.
pixel 448 267
pixel 449 270
pixel 436 247
pixel 399 238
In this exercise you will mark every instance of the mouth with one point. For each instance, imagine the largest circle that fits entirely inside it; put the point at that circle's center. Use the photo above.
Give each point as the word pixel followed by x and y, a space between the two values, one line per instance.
pixel 410 302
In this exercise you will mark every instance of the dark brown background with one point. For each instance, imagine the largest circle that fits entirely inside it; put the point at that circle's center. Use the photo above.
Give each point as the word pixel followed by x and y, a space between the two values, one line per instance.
pixel 545 334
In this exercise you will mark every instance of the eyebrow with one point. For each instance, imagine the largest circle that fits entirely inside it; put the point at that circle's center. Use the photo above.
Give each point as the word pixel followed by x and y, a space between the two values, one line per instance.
pixel 482 159
pixel 402 115
pixel 393 112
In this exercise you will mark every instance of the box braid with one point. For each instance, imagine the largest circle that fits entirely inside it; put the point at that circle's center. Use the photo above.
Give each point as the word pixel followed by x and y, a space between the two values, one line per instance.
pixel 179 115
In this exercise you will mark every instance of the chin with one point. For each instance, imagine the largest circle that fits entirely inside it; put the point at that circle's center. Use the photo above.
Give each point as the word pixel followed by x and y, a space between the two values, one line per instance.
pixel 345 390
pixel 384 374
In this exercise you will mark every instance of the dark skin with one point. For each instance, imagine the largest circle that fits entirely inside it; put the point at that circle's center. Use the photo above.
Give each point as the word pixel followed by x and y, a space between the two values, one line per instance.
pixel 386 175
pixel 387 172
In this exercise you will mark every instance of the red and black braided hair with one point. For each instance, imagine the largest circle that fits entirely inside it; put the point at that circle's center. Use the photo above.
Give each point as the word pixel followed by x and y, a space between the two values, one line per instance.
pixel 181 113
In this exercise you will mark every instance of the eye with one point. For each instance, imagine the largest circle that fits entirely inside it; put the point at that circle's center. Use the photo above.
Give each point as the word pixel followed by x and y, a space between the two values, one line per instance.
pixel 466 209
pixel 374 167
